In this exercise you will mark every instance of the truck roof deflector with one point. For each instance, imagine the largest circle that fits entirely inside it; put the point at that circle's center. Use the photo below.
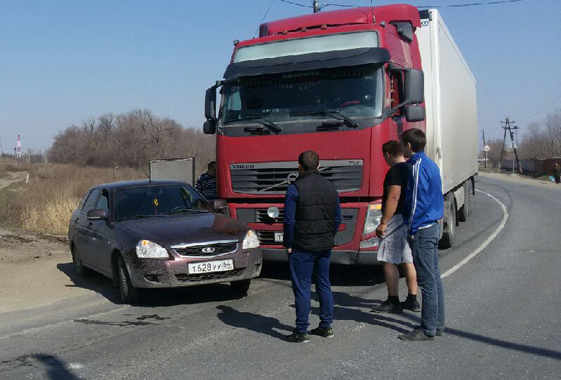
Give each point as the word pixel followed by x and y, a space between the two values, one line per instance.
pixel 304 62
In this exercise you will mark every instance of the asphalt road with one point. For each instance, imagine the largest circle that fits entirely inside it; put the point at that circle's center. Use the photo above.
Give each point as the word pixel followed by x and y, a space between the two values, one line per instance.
pixel 502 307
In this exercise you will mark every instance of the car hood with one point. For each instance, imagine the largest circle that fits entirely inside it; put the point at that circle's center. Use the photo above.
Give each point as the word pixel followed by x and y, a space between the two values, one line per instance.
pixel 186 229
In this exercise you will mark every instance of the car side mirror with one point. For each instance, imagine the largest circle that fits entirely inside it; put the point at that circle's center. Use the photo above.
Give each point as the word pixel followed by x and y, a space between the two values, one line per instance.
pixel 97 214
pixel 414 113
pixel 414 86
pixel 222 206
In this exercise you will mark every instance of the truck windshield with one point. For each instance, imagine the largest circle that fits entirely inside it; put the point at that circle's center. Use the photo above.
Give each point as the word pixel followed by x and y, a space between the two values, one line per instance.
pixel 299 102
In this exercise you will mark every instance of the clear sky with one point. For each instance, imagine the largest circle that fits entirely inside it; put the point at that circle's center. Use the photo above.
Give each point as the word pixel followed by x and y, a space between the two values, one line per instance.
pixel 64 61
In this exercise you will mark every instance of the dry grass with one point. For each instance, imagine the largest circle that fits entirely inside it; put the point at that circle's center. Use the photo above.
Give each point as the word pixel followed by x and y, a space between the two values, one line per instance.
pixel 54 190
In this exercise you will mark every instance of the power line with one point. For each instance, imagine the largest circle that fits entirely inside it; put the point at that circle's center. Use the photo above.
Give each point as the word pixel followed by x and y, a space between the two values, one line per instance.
pixel 476 4
pixel 297 4
pixel 266 13
pixel 541 109
pixel 496 2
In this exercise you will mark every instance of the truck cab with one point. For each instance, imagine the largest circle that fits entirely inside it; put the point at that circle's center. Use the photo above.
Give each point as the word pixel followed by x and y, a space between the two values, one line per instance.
pixel 339 83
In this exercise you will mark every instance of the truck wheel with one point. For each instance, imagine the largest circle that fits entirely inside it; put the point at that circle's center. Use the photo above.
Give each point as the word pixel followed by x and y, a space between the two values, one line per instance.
pixel 240 287
pixel 449 234
pixel 79 267
pixel 465 211
pixel 129 294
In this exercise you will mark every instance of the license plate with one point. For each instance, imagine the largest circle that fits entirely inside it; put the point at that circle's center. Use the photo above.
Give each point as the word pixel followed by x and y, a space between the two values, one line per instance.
pixel 279 237
pixel 211 266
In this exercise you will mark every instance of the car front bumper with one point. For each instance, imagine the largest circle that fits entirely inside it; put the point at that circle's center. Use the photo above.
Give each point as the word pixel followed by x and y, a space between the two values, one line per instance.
pixel 337 257
pixel 173 273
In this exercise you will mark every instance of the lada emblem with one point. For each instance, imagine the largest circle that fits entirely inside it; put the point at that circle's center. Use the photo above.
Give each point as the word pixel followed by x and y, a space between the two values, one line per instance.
pixel 208 250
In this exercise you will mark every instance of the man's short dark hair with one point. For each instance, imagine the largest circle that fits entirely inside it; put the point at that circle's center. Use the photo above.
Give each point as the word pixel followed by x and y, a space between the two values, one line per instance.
pixel 416 138
pixel 393 148
pixel 308 160
pixel 211 165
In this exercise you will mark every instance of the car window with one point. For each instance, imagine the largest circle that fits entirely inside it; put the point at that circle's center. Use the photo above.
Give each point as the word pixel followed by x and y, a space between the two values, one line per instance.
pixel 103 202
pixel 90 203
pixel 158 200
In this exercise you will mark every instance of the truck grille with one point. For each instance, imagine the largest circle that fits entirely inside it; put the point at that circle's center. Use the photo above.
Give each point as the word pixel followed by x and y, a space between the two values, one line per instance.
pixel 207 250
pixel 274 177
pixel 267 238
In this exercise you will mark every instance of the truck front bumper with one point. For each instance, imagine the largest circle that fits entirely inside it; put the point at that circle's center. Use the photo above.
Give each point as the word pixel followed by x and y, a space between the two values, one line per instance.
pixel 337 257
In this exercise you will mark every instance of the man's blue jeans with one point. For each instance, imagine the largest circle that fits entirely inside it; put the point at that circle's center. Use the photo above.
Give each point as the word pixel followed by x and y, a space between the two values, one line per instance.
pixel 425 259
pixel 303 266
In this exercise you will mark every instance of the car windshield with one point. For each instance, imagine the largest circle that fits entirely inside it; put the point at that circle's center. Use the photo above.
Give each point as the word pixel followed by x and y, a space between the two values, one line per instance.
pixel 352 92
pixel 158 201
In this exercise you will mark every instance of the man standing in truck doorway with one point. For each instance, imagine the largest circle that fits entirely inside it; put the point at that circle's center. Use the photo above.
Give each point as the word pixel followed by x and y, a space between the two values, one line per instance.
pixel 206 184
pixel 394 249
pixel 424 207
pixel 312 216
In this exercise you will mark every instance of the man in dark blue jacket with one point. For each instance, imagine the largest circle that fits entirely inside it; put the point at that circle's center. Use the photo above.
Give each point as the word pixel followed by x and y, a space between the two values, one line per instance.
pixel 312 216
pixel 424 207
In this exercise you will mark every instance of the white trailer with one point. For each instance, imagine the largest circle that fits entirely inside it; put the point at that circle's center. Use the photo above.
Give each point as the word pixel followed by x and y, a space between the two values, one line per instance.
pixel 180 169
pixel 451 118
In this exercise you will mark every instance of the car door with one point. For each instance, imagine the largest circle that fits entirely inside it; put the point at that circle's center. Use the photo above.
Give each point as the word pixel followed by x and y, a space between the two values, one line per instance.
pixel 99 236
pixel 81 225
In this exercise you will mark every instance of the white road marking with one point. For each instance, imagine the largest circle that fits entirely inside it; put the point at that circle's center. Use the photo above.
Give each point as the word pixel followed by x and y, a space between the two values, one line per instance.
pixel 485 243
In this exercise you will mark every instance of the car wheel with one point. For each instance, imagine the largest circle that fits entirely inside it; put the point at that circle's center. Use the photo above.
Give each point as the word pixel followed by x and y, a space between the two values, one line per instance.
pixel 79 267
pixel 240 287
pixel 129 294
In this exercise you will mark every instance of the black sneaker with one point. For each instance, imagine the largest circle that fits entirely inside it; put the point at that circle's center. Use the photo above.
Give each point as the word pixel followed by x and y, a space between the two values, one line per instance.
pixel 297 338
pixel 323 332
pixel 412 305
pixel 388 307
pixel 416 335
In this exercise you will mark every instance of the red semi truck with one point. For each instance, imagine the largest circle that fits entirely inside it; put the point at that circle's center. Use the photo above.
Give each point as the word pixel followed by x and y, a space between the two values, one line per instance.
pixel 341 83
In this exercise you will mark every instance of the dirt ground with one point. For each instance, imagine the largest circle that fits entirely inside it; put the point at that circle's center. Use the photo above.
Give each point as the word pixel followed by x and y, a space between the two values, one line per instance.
pixel 31 271
pixel 31 266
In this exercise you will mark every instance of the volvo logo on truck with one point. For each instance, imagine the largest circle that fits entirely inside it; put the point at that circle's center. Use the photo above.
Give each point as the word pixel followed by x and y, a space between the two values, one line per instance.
pixel 241 166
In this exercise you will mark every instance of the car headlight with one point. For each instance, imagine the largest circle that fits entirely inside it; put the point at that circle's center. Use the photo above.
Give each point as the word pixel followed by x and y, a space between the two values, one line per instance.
pixel 251 240
pixel 146 249
pixel 373 218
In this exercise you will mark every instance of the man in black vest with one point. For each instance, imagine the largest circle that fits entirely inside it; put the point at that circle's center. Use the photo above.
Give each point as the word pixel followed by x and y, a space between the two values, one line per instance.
pixel 312 216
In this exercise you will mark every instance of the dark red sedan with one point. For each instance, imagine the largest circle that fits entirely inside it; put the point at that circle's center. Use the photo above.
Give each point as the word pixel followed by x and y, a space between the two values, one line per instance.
pixel 160 234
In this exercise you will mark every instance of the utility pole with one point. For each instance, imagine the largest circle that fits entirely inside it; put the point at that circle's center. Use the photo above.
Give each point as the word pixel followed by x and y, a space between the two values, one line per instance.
pixel 315 5
pixel 510 129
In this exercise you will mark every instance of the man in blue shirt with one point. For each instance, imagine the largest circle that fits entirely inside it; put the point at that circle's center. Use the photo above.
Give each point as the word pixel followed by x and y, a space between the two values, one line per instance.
pixel 312 216
pixel 424 207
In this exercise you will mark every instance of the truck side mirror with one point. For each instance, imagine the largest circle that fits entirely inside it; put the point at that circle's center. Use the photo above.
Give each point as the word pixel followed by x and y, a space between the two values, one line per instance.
pixel 414 113
pixel 414 86
pixel 210 103
pixel 209 127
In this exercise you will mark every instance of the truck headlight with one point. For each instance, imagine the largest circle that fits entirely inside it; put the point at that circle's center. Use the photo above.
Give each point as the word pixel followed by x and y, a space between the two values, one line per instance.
pixel 251 240
pixel 147 249
pixel 373 218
